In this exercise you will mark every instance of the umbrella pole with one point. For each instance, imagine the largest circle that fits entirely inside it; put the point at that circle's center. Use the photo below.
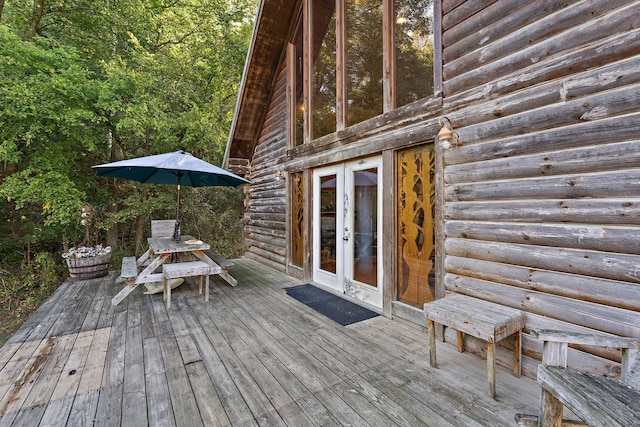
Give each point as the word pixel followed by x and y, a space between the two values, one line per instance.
pixel 178 203
pixel 176 231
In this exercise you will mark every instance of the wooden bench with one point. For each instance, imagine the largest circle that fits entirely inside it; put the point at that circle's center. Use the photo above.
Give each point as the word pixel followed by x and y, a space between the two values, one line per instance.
pixel 225 265
pixel 187 269
pixel 597 400
pixel 481 319
pixel 129 269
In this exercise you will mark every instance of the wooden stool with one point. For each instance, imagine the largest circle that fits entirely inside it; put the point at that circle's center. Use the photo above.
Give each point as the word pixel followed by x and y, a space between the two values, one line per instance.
pixel 481 319
pixel 186 269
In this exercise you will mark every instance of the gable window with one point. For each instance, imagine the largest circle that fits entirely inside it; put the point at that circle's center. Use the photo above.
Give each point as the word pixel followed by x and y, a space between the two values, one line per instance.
pixel 363 58
pixel 296 87
pixel 413 35
pixel 323 97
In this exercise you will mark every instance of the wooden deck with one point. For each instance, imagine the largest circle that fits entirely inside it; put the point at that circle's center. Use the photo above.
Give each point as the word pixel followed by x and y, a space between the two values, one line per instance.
pixel 250 356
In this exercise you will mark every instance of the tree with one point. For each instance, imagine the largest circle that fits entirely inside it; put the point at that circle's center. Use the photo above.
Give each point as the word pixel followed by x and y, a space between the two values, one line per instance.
pixel 46 124
pixel 91 81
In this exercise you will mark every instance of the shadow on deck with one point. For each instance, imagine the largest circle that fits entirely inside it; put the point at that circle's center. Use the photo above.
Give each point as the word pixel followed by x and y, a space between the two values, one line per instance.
pixel 250 356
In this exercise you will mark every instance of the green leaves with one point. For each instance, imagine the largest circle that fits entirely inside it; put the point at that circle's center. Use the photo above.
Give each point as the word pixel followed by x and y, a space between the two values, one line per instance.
pixel 46 111
pixel 45 96
pixel 51 193
pixel 102 80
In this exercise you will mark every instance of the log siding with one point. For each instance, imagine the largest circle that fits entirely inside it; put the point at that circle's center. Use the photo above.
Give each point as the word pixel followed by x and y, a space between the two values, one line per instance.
pixel 265 211
pixel 542 187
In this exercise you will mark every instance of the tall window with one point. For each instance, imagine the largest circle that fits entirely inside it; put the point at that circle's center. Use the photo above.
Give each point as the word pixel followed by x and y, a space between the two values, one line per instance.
pixel 346 59
pixel 413 37
pixel 297 88
pixel 323 74
pixel 364 60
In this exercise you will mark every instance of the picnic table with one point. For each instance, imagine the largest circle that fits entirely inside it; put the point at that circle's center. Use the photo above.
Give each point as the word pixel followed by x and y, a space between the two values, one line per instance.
pixel 164 251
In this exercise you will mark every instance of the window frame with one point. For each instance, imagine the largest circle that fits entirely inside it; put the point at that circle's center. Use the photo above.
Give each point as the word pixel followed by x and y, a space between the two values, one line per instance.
pixel 389 88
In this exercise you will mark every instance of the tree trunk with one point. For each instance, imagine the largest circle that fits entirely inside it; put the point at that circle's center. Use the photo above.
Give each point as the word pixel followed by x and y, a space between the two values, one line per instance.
pixel 1 7
pixel 115 155
pixel 111 235
pixel 147 140
pixel 38 12
pixel 139 230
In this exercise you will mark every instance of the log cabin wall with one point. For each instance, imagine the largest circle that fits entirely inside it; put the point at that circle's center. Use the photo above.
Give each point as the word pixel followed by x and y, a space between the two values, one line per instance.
pixel 265 211
pixel 542 189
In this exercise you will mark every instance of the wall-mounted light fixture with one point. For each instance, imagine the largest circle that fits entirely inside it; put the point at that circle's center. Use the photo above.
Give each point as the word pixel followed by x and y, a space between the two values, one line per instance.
pixel 446 135
pixel 278 175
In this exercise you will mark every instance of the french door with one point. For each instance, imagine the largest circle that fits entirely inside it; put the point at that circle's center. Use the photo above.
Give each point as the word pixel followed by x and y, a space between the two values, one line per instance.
pixel 347 229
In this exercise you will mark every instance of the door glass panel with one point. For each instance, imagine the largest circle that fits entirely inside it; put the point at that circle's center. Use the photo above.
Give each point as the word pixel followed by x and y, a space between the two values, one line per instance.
pixel 416 246
pixel 328 203
pixel 365 226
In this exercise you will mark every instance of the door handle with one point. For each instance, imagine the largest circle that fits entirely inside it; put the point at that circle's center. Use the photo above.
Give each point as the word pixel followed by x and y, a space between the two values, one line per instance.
pixel 346 235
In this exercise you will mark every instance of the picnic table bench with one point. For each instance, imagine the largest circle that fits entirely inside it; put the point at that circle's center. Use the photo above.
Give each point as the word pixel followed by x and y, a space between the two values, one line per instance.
pixel 595 399
pixel 129 268
pixel 479 318
pixel 225 265
pixel 187 269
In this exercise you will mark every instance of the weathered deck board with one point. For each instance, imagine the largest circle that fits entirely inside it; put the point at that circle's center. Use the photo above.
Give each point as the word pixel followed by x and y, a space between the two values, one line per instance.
pixel 231 400
pixel 158 399
pixel 210 407
pixel 134 411
pixel 250 356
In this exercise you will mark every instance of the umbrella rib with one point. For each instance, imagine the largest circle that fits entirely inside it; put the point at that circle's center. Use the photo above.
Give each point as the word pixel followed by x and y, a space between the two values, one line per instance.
pixel 155 171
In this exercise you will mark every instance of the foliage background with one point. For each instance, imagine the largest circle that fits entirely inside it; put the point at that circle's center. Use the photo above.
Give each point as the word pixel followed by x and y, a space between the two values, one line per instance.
pixel 85 82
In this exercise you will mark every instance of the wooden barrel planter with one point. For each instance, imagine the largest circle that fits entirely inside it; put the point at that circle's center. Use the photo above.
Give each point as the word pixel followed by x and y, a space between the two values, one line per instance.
pixel 89 268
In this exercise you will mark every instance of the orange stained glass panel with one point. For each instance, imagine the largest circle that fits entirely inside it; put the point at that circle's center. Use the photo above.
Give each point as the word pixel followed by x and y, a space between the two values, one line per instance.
pixel 416 246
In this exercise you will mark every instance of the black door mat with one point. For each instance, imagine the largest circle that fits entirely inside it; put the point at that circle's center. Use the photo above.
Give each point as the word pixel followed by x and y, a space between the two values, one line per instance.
pixel 334 307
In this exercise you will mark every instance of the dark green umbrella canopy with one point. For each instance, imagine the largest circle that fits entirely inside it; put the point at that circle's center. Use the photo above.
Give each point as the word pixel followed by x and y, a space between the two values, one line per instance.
pixel 177 168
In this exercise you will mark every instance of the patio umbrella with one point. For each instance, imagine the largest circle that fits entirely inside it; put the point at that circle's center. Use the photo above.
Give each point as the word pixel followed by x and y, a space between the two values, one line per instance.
pixel 177 168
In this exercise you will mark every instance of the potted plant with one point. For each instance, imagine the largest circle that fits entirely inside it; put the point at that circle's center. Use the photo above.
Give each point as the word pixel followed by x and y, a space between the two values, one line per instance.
pixel 87 260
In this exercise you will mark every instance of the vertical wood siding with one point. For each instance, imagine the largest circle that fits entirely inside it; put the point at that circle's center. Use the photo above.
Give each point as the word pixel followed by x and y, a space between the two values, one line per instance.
pixel 542 191
pixel 265 229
